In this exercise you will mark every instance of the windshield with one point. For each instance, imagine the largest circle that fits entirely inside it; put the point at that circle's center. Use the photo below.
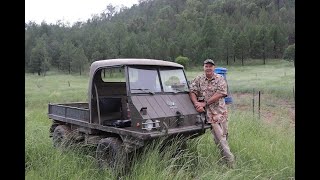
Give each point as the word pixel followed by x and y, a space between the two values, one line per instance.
pixel 146 80
pixel 173 80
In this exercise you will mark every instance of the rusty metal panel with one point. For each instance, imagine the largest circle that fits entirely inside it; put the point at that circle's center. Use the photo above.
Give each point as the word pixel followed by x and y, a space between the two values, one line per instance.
pixel 81 105
pixel 150 110
pixel 180 106
pixel 164 106
pixel 138 105
pixel 76 113
pixel 79 114
pixel 171 106
pixel 184 103
pixel 159 106
pixel 58 110
pixel 155 105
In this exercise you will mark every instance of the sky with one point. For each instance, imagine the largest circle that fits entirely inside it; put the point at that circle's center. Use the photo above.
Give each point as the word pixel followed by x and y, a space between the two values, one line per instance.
pixel 70 11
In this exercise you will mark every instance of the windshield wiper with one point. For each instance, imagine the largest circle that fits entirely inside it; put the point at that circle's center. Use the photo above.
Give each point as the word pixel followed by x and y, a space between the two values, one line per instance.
pixel 179 90
pixel 145 90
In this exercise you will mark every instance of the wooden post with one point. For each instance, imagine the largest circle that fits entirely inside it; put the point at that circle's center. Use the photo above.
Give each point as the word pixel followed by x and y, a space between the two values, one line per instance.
pixel 259 104
pixel 253 102
pixel 294 97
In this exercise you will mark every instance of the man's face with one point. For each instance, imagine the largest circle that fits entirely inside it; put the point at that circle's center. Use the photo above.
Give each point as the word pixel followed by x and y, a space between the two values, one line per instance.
pixel 208 69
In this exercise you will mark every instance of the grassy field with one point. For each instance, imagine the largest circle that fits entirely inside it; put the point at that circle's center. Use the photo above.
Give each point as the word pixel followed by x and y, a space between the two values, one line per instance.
pixel 264 147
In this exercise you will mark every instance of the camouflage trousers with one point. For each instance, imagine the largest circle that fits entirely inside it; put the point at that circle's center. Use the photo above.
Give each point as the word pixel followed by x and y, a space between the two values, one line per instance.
pixel 220 135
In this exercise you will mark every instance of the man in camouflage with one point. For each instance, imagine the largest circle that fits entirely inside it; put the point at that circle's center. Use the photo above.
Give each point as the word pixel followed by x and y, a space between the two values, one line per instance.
pixel 207 92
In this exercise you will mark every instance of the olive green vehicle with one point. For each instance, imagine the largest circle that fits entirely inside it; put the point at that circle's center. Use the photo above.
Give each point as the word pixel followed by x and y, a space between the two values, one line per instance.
pixel 130 102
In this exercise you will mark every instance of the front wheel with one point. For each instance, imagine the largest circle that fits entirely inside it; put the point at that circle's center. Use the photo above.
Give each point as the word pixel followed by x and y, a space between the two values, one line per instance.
pixel 110 153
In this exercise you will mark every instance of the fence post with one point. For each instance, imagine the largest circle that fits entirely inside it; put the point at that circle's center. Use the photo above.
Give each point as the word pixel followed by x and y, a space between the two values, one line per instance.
pixel 259 104
pixel 294 97
pixel 253 102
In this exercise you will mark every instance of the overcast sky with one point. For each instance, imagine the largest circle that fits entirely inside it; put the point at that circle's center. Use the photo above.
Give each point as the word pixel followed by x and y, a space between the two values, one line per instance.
pixel 68 10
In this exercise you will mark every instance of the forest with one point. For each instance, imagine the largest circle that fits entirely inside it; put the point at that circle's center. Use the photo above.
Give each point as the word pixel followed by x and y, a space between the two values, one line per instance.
pixel 225 30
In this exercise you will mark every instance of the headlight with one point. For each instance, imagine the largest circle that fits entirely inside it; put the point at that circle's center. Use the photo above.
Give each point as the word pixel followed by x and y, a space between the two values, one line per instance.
pixel 157 124
pixel 151 124
pixel 148 125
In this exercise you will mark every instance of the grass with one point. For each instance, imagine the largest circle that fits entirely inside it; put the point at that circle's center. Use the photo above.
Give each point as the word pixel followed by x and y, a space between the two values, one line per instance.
pixel 277 78
pixel 264 148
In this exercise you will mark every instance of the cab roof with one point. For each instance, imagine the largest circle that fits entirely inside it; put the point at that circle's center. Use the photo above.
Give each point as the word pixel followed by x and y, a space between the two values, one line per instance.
pixel 130 61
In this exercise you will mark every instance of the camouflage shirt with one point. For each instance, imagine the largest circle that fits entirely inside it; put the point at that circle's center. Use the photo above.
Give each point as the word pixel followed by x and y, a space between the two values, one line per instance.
pixel 203 87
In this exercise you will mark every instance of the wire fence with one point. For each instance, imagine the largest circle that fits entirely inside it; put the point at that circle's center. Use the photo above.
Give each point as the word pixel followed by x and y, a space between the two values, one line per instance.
pixel 261 102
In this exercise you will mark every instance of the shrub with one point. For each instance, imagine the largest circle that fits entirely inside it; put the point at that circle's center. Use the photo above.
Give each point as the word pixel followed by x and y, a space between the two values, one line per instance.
pixel 183 61
pixel 289 53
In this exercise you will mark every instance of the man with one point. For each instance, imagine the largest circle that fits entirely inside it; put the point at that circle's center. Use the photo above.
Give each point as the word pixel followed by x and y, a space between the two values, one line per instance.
pixel 207 92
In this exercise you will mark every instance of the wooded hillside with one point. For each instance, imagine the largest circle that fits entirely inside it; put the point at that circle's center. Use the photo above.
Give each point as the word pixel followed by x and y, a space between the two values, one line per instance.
pixel 227 30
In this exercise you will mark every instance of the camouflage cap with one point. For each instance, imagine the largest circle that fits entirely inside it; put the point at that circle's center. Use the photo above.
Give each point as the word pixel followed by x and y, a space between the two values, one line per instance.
pixel 209 61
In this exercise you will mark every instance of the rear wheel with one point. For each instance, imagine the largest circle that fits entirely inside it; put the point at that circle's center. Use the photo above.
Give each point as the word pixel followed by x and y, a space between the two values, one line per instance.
pixel 60 136
pixel 110 153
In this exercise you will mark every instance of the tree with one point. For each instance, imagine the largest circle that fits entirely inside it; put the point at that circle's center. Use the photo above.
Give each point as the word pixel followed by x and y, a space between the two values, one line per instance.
pixel 131 48
pixel 137 25
pixel 234 36
pixel 79 60
pixel 68 51
pixel 173 49
pixel 96 56
pixel 31 36
pixel 210 43
pixel 279 41
pixel 289 54
pixel 119 35
pixel 39 57
pixel 242 47
pixel 109 11
pixel 251 32
pixel 262 44
pixel 54 52
pixel 45 66
pixel 227 44
pixel 192 42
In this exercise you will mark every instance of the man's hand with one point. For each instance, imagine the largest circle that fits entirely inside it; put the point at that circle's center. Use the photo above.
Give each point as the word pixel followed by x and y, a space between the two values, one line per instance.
pixel 200 106
pixel 200 109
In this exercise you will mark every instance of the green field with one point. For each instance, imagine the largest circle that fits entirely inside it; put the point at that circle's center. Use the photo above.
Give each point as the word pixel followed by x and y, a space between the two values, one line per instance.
pixel 264 147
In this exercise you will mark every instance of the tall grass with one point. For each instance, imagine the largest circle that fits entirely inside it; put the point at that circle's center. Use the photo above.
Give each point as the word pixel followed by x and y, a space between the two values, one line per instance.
pixel 263 150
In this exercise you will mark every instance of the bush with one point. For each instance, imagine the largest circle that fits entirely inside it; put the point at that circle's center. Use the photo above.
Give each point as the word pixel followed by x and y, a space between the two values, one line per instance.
pixel 183 61
pixel 289 53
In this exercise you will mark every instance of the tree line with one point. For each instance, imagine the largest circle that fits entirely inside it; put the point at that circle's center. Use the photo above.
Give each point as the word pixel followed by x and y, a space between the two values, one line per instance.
pixel 226 30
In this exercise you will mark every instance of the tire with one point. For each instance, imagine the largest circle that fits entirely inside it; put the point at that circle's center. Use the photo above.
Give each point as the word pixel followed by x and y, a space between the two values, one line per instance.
pixel 110 153
pixel 60 136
